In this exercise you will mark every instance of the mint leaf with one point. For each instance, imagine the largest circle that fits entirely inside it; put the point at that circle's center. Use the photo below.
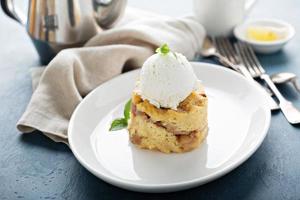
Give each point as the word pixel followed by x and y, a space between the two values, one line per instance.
pixel 127 110
pixel 118 124
pixel 121 123
pixel 163 49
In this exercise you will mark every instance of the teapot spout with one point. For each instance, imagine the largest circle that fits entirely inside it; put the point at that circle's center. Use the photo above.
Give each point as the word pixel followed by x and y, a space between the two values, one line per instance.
pixel 9 9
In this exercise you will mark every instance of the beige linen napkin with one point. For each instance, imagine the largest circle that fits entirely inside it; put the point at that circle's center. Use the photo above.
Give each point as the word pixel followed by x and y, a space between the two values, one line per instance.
pixel 73 73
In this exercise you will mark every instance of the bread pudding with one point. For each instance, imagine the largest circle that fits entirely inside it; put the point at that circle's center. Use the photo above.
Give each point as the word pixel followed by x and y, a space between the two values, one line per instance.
pixel 169 130
pixel 168 107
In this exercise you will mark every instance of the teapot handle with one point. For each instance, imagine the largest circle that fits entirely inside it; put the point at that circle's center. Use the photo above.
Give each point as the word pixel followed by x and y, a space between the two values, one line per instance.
pixel 249 5
pixel 9 9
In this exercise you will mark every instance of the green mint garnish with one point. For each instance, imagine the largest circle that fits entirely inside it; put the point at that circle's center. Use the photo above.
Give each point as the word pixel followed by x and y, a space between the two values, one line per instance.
pixel 127 110
pixel 163 49
pixel 118 124
pixel 121 123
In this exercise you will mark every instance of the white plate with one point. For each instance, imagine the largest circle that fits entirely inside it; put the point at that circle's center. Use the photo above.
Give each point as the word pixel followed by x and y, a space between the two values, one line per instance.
pixel 238 120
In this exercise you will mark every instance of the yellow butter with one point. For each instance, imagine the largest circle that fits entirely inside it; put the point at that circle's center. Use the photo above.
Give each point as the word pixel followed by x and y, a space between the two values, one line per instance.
pixel 265 34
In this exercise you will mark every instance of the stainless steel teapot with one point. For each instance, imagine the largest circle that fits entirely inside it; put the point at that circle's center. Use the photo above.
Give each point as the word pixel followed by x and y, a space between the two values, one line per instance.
pixel 54 25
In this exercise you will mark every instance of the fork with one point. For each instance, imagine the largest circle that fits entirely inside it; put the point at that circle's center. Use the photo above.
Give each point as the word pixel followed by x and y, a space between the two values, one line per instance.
pixel 226 49
pixel 249 59
pixel 209 50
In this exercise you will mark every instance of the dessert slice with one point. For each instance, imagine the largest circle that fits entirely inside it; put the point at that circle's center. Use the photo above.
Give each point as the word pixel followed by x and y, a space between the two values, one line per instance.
pixel 169 105
pixel 169 130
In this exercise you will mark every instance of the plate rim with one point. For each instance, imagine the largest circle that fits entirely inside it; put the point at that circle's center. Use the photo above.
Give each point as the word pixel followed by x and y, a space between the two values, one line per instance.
pixel 168 187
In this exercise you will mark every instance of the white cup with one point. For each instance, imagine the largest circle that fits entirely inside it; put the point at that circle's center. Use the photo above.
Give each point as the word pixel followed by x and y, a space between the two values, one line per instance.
pixel 219 17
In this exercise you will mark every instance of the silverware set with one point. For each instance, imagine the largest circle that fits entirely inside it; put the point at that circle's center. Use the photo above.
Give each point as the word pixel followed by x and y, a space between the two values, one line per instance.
pixel 240 57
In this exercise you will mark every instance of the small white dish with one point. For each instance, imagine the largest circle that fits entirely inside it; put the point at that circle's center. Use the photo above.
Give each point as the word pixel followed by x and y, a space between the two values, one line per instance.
pixel 238 119
pixel 240 33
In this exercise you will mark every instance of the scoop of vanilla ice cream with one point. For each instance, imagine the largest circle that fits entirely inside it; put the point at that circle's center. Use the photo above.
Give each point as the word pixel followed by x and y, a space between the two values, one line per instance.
pixel 167 79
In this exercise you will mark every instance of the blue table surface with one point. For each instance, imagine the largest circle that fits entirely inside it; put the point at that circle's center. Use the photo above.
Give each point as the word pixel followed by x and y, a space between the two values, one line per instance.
pixel 34 167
